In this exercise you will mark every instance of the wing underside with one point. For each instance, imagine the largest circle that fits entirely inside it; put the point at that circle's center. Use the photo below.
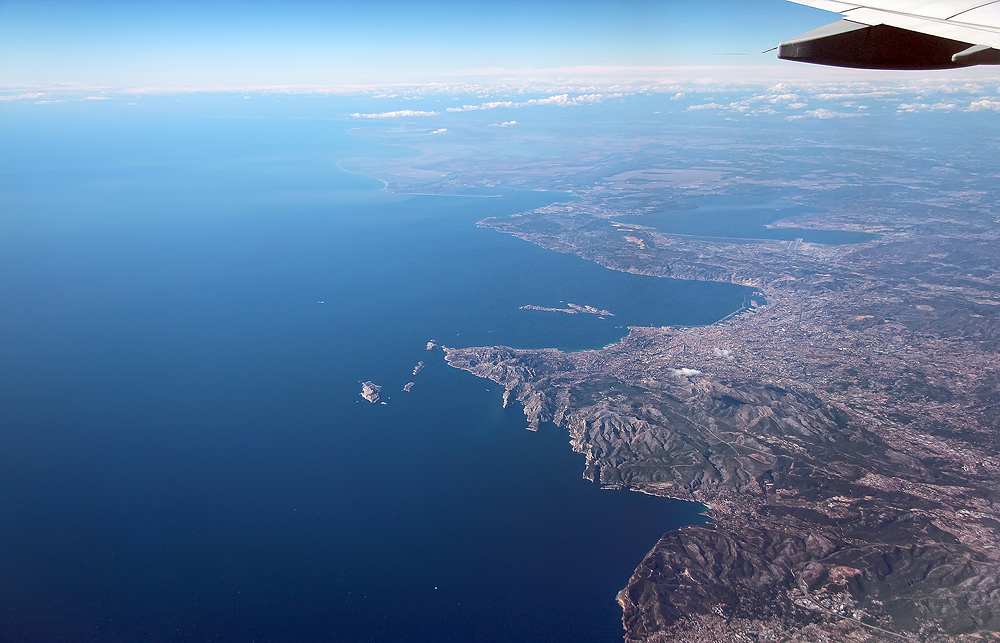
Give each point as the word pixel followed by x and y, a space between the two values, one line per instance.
pixel 902 34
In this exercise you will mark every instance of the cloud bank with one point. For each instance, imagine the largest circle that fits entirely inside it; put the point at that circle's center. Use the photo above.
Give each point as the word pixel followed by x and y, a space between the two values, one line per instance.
pixel 401 113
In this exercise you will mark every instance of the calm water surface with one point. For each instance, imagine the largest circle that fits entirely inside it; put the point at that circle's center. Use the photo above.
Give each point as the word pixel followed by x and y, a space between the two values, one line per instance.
pixel 185 454
pixel 742 217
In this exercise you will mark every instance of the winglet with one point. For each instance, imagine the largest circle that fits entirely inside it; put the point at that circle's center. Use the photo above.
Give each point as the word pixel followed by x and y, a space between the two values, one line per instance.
pixel 978 55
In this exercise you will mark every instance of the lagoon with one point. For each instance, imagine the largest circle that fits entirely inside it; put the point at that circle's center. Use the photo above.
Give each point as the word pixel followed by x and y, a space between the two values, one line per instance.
pixel 741 217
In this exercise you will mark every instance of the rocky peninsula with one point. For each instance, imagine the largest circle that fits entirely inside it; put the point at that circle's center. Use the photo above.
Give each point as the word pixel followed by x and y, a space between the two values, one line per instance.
pixel 843 436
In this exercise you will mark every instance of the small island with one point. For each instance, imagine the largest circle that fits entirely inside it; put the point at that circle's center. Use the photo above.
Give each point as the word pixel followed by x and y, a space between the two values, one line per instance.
pixel 572 309
pixel 370 391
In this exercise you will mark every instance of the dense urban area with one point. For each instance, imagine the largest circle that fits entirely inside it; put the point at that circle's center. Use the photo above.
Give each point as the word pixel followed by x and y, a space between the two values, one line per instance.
pixel 841 427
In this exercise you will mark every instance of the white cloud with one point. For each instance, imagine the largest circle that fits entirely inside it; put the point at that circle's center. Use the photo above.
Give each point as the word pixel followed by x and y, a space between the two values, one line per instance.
pixel 823 114
pixel 561 99
pixel 490 105
pixel 402 113
pixel 678 96
pixel 724 353
pixel 564 99
pixel 852 95
pixel 558 99
pixel 503 124
pixel 985 105
pixel 496 84
pixel 694 108
pixel 440 131
pixel 685 372
pixel 925 107
pixel 24 96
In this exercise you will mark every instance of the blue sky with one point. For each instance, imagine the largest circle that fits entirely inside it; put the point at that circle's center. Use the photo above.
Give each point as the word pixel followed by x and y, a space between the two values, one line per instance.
pixel 224 43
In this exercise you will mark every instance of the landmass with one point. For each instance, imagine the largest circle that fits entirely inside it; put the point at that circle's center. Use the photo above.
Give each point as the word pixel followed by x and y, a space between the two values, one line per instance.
pixel 842 434
pixel 370 391
pixel 572 309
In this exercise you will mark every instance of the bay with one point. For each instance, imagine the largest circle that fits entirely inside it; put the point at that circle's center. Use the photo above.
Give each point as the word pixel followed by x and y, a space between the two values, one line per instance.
pixel 185 453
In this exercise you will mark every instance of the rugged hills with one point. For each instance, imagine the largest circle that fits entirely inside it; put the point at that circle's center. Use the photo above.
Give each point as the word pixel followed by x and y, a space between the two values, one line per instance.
pixel 843 435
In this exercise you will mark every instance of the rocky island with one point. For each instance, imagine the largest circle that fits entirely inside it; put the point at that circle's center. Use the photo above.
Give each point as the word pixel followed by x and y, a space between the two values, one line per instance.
pixel 370 391
pixel 571 309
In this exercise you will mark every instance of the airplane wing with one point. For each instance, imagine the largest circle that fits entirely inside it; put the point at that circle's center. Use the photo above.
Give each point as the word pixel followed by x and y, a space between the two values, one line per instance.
pixel 902 34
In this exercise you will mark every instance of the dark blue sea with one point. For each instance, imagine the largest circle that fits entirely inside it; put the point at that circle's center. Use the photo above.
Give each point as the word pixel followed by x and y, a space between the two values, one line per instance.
pixel 184 454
